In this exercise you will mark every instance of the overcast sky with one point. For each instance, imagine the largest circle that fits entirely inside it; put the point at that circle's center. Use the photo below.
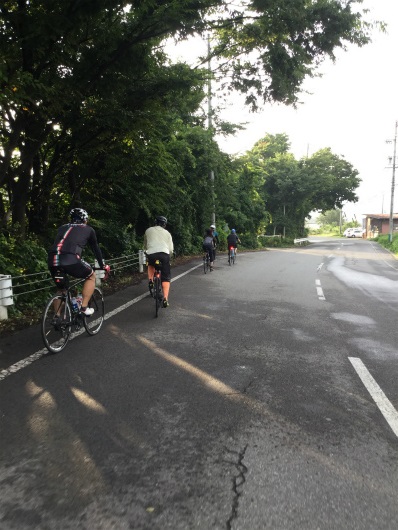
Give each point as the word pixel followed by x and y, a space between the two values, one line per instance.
pixel 352 109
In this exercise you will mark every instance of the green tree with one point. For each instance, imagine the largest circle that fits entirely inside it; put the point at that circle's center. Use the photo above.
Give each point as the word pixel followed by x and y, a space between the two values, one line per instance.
pixel 270 146
pixel 292 189
pixel 270 47
pixel 330 217
pixel 331 178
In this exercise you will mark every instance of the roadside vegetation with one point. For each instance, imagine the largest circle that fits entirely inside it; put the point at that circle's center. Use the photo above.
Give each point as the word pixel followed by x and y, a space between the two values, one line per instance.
pixel 333 223
pixel 384 241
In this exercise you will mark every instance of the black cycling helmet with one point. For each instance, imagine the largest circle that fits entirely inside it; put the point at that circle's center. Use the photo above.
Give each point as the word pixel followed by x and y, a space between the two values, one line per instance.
pixel 161 220
pixel 78 215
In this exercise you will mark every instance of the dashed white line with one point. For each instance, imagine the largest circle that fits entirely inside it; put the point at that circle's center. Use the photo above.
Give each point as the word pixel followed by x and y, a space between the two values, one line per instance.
pixel 320 293
pixel 379 397
pixel 319 290
pixel 41 353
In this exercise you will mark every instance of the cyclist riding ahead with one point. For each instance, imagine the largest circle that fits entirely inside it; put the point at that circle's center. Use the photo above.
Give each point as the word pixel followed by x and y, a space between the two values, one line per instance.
pixel 215 238
pixel 65 254
pixel 158 245
pixel 233 240
pixel 208 246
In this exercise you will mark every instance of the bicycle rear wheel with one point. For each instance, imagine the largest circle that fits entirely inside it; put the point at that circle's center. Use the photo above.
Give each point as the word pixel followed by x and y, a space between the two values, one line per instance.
pixel 157 291
pixel 94 323
pixel 56 324
pixel 233 257
pixel 205 263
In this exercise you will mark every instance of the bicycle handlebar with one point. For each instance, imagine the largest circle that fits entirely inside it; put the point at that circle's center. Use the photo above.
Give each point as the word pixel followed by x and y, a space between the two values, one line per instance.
pixel 106 268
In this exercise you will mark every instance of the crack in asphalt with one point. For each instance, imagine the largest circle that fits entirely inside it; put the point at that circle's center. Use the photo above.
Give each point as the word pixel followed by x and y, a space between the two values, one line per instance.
pixel 237 483
pixel 244 391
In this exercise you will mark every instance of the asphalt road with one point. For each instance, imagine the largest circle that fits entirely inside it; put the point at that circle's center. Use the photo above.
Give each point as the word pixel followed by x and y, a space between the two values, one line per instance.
pixel 265 397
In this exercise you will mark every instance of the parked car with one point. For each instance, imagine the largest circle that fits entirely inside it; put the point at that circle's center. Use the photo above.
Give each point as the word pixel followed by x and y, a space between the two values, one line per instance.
pixel 347 232
pixel 356 232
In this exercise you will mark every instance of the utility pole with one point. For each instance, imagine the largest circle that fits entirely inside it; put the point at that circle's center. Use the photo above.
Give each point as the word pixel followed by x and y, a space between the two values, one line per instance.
pixel 210 127
pixel 393 183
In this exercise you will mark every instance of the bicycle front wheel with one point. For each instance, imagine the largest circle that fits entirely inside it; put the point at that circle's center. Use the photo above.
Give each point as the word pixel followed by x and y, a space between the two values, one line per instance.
pixel 94 323
pixel 56 324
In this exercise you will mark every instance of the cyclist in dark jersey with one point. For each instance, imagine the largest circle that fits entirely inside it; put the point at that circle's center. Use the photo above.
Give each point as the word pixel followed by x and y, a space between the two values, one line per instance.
pixel 215 239
pixel 233 240
pixel 65 254
pixel 208 246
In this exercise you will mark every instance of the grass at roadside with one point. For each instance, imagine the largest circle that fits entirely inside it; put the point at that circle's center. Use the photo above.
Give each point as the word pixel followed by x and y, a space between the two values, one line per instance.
pixel 384 241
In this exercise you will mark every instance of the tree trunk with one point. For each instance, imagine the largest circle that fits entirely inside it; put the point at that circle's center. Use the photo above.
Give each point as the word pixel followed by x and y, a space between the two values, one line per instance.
pixel 38 212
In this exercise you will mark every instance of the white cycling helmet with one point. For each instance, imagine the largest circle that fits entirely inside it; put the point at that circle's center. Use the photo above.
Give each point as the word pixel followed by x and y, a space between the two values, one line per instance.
pixel 78 214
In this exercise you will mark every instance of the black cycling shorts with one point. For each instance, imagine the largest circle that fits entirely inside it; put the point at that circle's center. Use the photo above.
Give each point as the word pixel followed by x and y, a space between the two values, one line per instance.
pixel 210 249
pixel 70 264
pixel 164 260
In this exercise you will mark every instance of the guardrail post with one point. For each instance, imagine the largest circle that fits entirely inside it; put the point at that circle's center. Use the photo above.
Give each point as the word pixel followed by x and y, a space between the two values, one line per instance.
pixel 99 274
pixel 141 260
pixel 6 295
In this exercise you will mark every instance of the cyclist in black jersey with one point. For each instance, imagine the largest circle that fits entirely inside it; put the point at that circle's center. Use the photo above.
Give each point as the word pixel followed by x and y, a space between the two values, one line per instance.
pixel 209 246
pixel 65 254
pixel 233 240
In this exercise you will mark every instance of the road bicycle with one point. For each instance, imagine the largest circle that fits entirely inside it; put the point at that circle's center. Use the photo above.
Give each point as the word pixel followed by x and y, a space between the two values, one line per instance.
pixel 62 316
pixel 206 262
pixel 156 289
pixel 231 256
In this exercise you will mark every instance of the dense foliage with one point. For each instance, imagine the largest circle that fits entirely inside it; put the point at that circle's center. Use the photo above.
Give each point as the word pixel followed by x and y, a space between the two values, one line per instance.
pixel 94 113
pixel 384 241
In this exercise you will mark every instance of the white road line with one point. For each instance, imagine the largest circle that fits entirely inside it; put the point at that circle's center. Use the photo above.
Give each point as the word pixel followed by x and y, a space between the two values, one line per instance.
pixel 41 353
pixel 186 272
pixel 381 400
pixel 377 251
pixel 320 293
pixel 319 290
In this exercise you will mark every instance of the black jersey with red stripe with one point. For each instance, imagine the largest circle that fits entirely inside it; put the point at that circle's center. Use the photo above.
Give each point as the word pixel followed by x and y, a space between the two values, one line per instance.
pixel 73 238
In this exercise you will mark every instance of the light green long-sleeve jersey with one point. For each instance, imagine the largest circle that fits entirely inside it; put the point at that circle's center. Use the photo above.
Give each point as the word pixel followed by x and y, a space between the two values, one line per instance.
pixel 158 239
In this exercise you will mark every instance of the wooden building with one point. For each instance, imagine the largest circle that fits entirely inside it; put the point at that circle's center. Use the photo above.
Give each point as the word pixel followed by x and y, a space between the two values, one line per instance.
pixel 376 224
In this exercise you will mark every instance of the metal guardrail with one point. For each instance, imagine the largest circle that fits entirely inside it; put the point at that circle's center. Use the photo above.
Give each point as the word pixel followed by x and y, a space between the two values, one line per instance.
pixel 25 284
